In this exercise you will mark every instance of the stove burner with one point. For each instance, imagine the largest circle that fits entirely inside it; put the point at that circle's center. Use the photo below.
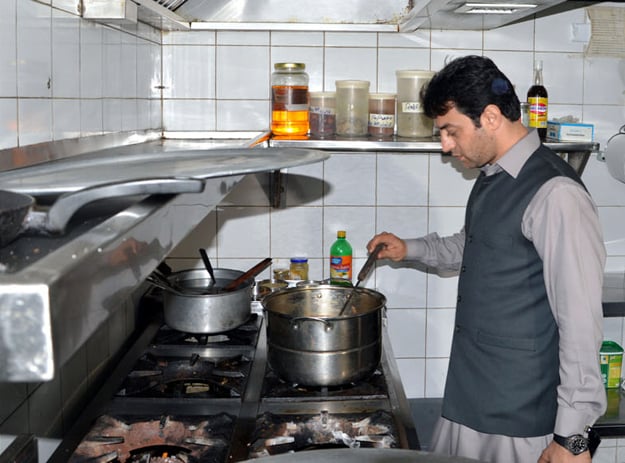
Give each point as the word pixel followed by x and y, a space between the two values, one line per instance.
pixel 186 377
pixel 373 387
pixel 126 439
pixel 244 335
pixel 276 434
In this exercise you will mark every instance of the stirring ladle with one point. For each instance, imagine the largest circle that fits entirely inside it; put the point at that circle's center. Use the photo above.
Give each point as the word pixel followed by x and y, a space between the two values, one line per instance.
pixel 207 264
pixel 363 274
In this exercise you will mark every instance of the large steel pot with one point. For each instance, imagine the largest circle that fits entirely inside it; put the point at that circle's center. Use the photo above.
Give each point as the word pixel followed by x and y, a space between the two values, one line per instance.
pixel 194 308
pixel 309 344
pixel 363 456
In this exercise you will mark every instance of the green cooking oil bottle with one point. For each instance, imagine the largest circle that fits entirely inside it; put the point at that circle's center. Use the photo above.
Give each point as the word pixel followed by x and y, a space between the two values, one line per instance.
pixel 341 261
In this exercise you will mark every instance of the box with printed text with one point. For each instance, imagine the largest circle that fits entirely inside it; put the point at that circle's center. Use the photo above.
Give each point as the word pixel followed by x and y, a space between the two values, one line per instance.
pixel 569 131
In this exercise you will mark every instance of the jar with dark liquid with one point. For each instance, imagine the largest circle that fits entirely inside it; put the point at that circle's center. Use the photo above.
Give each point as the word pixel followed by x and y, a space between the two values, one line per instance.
pixel 289 99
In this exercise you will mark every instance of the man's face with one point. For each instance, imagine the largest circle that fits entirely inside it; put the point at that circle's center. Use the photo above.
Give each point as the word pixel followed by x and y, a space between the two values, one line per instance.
pixel 473 146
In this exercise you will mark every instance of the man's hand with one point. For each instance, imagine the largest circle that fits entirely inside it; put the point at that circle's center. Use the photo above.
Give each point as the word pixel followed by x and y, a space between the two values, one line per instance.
pixel 395 247
pixel 555 453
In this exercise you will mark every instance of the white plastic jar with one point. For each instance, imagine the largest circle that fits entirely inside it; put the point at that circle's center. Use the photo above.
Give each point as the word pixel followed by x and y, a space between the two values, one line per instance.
pixel 352 107
pixel 411 120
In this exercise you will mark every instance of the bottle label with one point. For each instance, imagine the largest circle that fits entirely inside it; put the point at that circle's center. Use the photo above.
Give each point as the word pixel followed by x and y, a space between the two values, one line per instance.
pixel 341 267
pixel 382 120
pixel 289 98
pixel 411 107
pixel 537 112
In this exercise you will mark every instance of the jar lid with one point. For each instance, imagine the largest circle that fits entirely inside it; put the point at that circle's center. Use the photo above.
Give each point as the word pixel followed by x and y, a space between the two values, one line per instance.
pixel 352 83
pixel 322 94
pixel 289 66
pixel 414 73
pixel 382 96
pixel 299 260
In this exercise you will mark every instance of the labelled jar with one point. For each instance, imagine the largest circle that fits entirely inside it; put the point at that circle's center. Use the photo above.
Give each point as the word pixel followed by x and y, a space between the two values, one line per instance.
pixel 299 268
pixel 382 115
pixel 289 99
pixel 322 113
pixel 411 120
pixel 352 107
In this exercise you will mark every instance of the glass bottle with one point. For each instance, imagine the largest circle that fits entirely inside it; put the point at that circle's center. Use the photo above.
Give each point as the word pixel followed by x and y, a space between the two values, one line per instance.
pixel 289 99
pixel 537 98
pixel 299 268
pixel 341 260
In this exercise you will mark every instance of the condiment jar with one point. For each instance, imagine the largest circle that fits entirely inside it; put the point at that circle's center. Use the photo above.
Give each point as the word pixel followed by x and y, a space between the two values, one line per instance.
pixel 411 120
pixel 289 99
pixel 299 268
pixel 352 107
pixel 381 115
pixel 322 113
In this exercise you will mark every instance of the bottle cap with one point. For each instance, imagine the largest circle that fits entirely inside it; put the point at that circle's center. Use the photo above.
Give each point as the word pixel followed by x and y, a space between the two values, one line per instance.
pixel 341 234
pixel 299 260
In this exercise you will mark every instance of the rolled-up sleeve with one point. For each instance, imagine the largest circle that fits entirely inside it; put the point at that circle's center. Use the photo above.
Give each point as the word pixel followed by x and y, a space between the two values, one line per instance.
pixel 440 253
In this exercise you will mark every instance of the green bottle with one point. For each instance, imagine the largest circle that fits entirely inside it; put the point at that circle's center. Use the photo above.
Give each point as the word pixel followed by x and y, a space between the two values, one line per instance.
pixel 341 260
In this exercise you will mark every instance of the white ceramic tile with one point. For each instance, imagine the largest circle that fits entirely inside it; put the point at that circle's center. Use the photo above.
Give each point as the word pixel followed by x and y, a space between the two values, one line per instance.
pixel 440 324
pixel 252 190
pixel 65 55
pixel 91 114
pixel 402 180
pixel 112 62
pixel 350 179
pixel 91 60
pixel 65 119
pixel 445 220
pixel 128 52
pixel 613 329
pixel 351 39
pixel 450 182
pixel 615 265
pixel 242 38
pixel 406 330
pixel 8 62
pixel 563 76
pixel 156 112
pixel 296 39
pixel 203 235
pixel 442 291
pixel 402 284
pixel 350 64
pixel 71 6
pixel 112 115
pixel 459 39
pixel 358 222
pixel 606 119
pixel 440 57
pixel 243 232
pixel 553 33
pixel 412 373
pixel 188 71
pixel 393 59
pixel 613 224
pixel 417 39
pixel 144 115
pixel 188 115
pixel 604 189
pixel 35 121
pixel 34 50
pixel 312 57
pixel 511 37
pixel 435 376
pixel 130 116
pixel 405 222
pixel 242 115
pixel 8 123
pixel 304 185
pixel 558 111
pixel 604 81
pixel 243 72
pixel 189 38
pixel 297 232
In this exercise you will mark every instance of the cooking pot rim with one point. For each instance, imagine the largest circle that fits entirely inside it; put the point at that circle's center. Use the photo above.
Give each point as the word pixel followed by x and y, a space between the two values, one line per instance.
pixel 179 277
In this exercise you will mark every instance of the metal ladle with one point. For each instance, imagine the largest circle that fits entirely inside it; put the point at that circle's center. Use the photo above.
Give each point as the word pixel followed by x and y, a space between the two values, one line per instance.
pixel 363 274
pixel 207 264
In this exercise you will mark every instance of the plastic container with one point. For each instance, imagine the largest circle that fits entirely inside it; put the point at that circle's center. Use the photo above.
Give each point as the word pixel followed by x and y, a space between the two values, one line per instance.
pixel 352 107
pixel 411 120
pixel 382 115
pixel 322 113
pixel 611 355
pixel 289 99
pixel 299 268
pixel 341 260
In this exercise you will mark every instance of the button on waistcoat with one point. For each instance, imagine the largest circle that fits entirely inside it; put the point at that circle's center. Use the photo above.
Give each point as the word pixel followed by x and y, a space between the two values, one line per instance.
pixel 503 369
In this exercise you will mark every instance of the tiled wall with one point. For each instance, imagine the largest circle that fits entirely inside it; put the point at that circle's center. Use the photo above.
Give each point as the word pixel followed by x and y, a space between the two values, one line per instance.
pixel 62 77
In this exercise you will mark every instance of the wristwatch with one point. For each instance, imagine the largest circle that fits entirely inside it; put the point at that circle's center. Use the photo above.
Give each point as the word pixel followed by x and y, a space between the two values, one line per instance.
pixel 575 444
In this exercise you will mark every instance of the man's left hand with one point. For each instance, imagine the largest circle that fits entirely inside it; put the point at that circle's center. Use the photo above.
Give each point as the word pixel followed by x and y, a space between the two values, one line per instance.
pixel 555 453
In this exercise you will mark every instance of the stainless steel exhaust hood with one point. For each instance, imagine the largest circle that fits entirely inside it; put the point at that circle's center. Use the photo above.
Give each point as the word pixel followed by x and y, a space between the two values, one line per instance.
pixel 327 15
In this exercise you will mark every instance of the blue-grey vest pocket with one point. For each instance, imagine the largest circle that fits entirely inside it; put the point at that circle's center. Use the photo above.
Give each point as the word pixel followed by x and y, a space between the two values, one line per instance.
pixel 507 342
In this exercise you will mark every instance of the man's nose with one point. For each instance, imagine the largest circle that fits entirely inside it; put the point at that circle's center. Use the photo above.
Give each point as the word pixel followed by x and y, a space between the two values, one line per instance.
pixel 447 143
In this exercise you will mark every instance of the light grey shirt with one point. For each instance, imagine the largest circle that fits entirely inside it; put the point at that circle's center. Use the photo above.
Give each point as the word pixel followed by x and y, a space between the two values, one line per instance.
pixel 562 222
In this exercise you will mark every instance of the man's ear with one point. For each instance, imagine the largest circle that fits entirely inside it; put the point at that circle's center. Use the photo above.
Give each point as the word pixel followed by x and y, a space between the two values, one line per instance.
pixel 491 117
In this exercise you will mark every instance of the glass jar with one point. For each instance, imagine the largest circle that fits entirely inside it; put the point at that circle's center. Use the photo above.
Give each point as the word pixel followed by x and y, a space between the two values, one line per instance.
pixel 322 113
pixel 411 120
pixel 299 268
pixel 352 107
pixel 381 115
pixel 289 99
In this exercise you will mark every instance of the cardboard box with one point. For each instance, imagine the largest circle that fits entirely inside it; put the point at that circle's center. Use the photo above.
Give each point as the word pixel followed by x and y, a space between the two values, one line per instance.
pixel 568 131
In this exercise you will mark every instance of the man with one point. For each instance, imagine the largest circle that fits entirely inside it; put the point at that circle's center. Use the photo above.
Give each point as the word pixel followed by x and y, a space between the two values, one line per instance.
pixel 524 381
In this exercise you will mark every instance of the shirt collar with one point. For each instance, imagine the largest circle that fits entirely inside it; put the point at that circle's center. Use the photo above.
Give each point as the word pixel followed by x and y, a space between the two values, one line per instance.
pixel 515 158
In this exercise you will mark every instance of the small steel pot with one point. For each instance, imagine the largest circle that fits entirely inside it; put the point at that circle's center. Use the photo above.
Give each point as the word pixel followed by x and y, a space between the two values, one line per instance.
pixel 198 307
pixel 308 344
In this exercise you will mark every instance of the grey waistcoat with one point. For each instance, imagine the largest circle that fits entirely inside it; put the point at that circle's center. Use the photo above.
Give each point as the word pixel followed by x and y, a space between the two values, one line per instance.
pixel 503 369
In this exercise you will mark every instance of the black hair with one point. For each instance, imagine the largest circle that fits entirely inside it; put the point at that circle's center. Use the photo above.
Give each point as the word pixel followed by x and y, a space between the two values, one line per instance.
pixel 469 84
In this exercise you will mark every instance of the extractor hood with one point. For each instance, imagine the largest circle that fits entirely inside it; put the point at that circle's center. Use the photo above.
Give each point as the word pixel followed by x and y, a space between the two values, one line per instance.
pixel 325 15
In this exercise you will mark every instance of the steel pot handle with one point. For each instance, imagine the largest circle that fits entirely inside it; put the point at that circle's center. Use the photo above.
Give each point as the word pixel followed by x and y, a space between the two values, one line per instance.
pixel 295 322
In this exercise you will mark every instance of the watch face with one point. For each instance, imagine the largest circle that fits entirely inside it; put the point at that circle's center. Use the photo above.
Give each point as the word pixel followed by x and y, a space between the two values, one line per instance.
pixel 577 444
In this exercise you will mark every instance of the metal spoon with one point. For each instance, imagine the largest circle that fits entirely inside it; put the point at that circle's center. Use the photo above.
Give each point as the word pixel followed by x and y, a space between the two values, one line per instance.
pixel 363 274
pixel 207 264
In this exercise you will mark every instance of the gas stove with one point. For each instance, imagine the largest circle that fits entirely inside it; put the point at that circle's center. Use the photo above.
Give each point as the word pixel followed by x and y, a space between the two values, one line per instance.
pixel 186 397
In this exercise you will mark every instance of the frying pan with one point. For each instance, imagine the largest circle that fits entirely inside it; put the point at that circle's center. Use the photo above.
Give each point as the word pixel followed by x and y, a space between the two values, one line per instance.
pixel 17 213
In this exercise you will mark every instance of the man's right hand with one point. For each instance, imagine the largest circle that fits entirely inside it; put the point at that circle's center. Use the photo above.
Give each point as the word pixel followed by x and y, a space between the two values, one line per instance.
pixel 395 247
